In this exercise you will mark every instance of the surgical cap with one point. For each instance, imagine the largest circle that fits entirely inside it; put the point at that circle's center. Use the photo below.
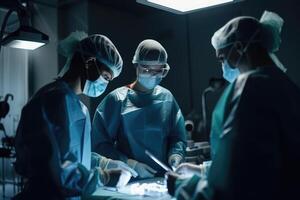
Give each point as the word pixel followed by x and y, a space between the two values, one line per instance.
pixel 150 52
pixel 265 31
pixel 96 45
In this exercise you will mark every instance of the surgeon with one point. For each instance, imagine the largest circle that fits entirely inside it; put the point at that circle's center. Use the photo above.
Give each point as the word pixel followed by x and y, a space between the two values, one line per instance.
pixel 142 116
pixel 256 129
pixel 53 142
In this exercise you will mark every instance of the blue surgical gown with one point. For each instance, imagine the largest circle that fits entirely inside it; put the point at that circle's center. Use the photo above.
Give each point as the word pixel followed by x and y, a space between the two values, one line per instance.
pixel 53 144
pixel 218 116
pixel 127 122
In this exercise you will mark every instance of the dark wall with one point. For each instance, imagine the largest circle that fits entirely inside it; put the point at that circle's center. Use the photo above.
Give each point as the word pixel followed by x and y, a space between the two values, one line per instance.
pixel 43 61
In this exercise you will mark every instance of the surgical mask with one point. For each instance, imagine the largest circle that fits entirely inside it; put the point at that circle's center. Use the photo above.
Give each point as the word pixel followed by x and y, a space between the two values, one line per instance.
pixel 95 88
pixel 148 81
pixel 230 73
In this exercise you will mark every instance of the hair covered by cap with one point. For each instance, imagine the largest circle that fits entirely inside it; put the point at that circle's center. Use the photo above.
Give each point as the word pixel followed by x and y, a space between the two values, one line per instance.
pixel 238 29
pixel 96 45
pixel 104 50
pixel 265 32
pixel 150 52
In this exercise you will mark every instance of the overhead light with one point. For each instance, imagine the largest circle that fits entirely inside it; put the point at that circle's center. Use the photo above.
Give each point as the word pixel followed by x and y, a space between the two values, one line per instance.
pixel 183 6
pixel 22 44
pixel 25 38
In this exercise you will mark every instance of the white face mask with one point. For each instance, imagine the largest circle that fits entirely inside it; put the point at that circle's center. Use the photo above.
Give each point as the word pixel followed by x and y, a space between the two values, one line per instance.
pixel 149 81
pixel 95 88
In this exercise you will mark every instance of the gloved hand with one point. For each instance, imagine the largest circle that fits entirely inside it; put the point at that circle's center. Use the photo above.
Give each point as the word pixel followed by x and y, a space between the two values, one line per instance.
pixel 114 177
pixel 106 163
pixel 143 170
pixel 175 160
pixel 188 169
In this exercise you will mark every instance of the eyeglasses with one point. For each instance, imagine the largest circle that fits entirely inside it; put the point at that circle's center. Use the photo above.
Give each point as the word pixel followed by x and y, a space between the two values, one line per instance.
pixel 96 69
pixel 162 72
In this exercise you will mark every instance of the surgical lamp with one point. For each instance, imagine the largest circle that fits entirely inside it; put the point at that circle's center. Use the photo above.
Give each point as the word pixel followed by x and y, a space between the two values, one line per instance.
pixel 25 37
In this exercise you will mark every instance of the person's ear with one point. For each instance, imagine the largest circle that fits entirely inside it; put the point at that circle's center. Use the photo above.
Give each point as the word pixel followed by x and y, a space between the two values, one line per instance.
pixel 239 47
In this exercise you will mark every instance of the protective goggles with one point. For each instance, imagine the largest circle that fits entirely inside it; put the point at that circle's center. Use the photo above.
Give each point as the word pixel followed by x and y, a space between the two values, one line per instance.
pixel 146 69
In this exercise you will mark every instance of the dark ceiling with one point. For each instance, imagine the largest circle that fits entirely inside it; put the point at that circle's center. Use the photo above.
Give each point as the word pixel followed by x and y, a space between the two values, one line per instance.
pixel 124 5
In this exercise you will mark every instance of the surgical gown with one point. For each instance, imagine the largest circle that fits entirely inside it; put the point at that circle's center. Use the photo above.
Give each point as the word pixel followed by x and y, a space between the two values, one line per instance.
pixel 127 122
pixel 53 145
pixel 257 155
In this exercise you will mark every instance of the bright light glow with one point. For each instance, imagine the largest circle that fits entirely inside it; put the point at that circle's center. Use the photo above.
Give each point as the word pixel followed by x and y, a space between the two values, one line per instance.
pixel 188 5
pixel 24 44
pixel 156 189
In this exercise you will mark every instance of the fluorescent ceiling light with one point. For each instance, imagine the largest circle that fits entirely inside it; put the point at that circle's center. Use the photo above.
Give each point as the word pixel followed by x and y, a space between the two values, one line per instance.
pixel 25 38
pixel 182 6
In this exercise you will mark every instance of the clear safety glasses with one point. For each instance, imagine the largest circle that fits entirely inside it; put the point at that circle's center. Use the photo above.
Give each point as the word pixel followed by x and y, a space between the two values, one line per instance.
pixel 162 71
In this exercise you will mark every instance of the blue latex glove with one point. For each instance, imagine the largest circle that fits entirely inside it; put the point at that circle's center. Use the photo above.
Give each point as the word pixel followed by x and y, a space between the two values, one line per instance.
pixel 107 164
pixel 143 170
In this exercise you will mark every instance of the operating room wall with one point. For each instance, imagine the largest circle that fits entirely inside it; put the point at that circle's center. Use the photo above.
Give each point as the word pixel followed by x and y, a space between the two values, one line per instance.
pixel 43 61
